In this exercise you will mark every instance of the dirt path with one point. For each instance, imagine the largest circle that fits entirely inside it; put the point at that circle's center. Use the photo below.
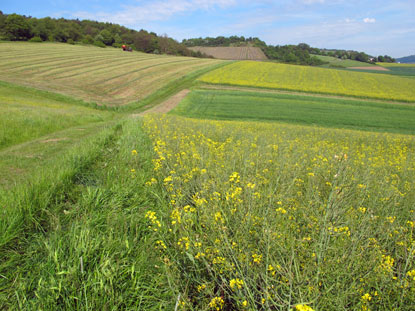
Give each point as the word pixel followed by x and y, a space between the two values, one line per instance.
pixel 167 105
pixel 378 68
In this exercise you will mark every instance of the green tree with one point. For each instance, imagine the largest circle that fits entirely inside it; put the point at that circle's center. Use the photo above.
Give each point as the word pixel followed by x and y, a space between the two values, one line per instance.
pixel 17 28
pixel 106 37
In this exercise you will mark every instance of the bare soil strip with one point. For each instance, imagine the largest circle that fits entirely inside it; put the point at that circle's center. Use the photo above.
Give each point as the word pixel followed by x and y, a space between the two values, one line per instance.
pixel 167 105
pixel 378 68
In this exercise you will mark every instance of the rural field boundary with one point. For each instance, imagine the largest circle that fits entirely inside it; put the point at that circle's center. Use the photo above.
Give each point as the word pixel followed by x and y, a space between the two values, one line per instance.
pixel 281 91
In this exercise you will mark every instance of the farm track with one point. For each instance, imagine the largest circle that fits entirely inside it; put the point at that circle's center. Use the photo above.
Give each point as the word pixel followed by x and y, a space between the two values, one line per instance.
pixel 167 105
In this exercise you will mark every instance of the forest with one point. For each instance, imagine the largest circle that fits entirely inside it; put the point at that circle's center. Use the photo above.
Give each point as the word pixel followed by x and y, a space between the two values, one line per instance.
pixel 15 27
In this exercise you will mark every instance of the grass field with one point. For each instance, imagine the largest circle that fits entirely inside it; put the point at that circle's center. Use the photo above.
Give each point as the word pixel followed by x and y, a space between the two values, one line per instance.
pixel 232 53
pixel 310 79
pixel 108 76
pixel 326 112
pixel 26 114
pixel 342 62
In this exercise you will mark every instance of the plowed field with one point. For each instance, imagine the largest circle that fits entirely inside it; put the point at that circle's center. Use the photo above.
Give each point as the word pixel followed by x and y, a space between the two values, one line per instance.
pixel 235 53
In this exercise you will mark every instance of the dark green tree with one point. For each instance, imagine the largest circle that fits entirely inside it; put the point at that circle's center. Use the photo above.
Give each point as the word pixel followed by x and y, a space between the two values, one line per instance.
pixel 106 37
pixel 17 28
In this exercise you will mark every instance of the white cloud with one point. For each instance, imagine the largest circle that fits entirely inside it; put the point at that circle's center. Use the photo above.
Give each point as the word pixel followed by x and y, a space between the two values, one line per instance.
pixel 369 20
pixel 154 11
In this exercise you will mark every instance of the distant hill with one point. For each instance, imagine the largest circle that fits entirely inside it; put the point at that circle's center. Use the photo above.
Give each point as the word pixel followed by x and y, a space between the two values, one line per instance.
pixel 406 59
pixel 234 53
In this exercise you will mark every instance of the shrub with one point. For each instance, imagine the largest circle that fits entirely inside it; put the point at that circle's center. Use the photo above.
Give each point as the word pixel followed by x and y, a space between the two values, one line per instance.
pixel 100 44
pixel 36 39
pixel 70 41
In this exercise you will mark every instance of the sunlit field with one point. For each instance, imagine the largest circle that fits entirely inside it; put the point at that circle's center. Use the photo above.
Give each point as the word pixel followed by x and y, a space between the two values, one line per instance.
pixel 261 216
pixel 312 110
pixel 94 74
pixel 316 80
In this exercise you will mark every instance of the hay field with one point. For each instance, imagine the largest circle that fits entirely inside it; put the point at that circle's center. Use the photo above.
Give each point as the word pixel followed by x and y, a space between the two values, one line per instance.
pixel 315 80
pixel 232 53
pixel 93 74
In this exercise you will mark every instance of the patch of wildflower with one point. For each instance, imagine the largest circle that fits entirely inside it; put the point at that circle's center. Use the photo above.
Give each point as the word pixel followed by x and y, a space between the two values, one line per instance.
pixel 302 307
pixel 236 284
pixel 155 223
pixel 217 303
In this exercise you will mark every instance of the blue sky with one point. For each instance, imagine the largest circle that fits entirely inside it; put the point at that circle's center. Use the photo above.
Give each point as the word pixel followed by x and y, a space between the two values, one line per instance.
pixel 373 26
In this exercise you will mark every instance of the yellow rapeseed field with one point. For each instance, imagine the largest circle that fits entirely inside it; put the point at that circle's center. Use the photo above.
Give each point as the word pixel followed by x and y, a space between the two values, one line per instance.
pixel 269 216
pixel 311 79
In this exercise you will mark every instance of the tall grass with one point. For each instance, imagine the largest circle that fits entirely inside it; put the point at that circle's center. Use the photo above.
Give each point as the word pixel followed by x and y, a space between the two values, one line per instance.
pixel 26 114
pixel 77 238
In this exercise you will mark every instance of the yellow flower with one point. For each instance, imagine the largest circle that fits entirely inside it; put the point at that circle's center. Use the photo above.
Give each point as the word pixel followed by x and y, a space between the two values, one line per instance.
pixel 366 297
pixel 257 258
pixel 303 308
pixel 134 152
pixel 236 284
pixel 217 303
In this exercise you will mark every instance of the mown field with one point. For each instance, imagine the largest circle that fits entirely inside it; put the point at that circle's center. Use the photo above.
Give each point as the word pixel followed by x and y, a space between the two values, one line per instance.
pixel 106 76
pixel 316 80
pixel 319 111
pixel 232 53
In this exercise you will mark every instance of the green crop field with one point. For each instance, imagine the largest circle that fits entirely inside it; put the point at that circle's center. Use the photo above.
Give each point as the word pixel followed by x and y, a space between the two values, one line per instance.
pixel 93 74
pixel 310 79
pixel 328 112
pixel 104 209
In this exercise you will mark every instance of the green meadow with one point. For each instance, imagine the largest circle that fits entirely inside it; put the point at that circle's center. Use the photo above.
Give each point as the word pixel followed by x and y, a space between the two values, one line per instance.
pixel 26 114
pixel 311 110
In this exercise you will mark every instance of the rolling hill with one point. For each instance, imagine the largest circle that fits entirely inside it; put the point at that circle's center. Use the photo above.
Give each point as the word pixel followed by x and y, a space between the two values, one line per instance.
pixel 232 53
pixel 106 76
pixel 407 59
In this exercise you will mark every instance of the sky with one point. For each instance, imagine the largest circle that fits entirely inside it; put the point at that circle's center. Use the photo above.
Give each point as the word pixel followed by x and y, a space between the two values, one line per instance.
pixel 377 27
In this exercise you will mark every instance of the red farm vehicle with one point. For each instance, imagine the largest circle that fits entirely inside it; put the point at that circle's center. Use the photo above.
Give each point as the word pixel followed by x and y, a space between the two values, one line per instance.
pixel 126 48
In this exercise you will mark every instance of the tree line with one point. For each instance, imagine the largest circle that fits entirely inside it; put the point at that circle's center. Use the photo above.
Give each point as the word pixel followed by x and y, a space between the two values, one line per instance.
pixel 15 27
pixel 302 53
pixel 224 41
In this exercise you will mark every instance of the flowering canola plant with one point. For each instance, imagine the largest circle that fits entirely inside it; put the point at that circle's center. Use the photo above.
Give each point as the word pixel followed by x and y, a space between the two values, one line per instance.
pixel 268 216
pixel 311 79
